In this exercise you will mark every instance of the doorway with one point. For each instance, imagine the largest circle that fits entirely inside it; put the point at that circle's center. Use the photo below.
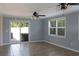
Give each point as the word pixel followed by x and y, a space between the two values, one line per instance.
pixel 19 31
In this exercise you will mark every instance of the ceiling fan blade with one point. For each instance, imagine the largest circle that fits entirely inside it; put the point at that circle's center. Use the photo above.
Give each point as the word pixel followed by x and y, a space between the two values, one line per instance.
pixel 73 4
pixel 42 15
pixel 35 14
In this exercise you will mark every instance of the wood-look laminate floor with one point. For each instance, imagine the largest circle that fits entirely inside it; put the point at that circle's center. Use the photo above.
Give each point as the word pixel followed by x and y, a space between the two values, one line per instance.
pixel 35 49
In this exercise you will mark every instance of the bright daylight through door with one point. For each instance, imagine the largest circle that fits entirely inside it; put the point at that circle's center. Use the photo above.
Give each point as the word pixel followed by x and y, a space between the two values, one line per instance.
pixel 19 31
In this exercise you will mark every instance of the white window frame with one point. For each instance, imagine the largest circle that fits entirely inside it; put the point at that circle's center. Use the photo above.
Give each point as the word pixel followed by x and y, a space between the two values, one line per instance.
pixel 56 35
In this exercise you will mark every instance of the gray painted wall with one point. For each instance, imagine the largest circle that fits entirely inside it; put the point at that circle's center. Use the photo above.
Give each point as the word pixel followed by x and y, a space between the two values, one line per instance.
pixel 34 31
pixel 5 30
pixel 71 40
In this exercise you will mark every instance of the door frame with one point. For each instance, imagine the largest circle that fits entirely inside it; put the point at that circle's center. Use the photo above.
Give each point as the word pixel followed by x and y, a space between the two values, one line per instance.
pixel 20 37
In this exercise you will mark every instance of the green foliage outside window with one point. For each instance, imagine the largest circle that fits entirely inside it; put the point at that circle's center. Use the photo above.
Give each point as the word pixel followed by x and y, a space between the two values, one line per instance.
pixel 19 24
pixel 61 23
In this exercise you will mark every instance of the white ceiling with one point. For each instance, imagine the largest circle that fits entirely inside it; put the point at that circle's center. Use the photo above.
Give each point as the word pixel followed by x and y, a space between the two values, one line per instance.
pixel 20 9
pixel 26 9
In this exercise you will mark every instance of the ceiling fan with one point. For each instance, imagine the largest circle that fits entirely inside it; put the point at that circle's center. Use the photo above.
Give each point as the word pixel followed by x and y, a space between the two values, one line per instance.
pixel 35 14
pixel 64 6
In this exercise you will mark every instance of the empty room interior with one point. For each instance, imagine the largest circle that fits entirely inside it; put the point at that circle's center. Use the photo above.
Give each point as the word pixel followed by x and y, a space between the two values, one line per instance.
pixel 39 29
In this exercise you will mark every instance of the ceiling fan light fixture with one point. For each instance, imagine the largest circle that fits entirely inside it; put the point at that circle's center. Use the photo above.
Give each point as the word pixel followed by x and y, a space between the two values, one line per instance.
pixel 35 18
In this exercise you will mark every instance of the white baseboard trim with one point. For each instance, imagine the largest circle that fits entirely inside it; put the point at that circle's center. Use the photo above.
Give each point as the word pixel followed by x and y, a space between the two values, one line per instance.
pixel 62 46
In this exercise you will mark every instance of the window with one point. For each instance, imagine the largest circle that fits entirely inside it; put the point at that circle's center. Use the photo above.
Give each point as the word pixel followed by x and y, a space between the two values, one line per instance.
pixel 57 27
